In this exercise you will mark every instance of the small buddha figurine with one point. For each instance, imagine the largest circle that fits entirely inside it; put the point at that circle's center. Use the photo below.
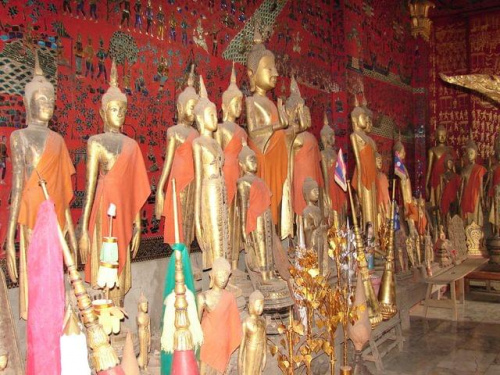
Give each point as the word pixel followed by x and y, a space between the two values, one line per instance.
pixel 220 321
pixel 144 332
pixel 253 347
pixel 494 190
pixel 210 204
pixel 365 174
pixel 449 186
pixel 443 249
pixel 410 209
pixel 306 157
pixel 436 167
pixel 334 198
pixel 266 123
pixel 471 190
pixel 383 198
pixel 230 137
pixel 179 165
pixel 315 231
pixel 113 158
pixel 36 153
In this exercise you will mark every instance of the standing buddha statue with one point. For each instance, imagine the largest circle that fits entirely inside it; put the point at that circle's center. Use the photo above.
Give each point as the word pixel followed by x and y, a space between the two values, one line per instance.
pixel 266 123
pixel 383 198
pixel 113 158
pixel 334 198
pixel 36 152
pixel 210 203
pixel 471 191
pixel 365 173
pixel 494 190
pixel 230 137
pixel 449 186
pixel 179 165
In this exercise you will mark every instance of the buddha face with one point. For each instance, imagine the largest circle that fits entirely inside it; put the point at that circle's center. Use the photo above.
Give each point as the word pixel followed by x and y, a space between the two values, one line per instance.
pixel 449 164
pixel 304 117
pixel 471 155
pixel 266 75
pixel 186 111
pixel 401 153
pixel 235 106
pixel 369 124
pixel 441 136
pixel 250 164
pixel 209 118
pixel 379 162
pixel 114 116
pixel 313 194
pixel 361 121
pixel 42 105
pixel 220 278
pixel 143 306
pixel 257 307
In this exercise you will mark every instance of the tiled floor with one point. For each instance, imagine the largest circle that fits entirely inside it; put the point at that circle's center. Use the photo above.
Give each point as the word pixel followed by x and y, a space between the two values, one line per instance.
pixel 439 346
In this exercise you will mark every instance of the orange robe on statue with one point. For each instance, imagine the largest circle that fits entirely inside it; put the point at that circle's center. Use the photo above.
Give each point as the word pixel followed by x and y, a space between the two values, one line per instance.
pixel 383 198
pixel 221 332
pixel 56 168
pixel 369 168
pixel 337 195
pixel 126 185
pixel 437 171
pixel 495 181
pixel 231 167
pixel 183 172
pixel 307 163
pixel 272 168
pixel 471 190
pixel 450 193
pixel 259 202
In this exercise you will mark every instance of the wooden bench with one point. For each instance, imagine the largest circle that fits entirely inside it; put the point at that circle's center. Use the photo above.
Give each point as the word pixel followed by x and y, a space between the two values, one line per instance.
pixel 455 278
pixel 488 273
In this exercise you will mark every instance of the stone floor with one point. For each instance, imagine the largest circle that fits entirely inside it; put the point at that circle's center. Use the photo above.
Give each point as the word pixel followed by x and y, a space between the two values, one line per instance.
pixel 439 346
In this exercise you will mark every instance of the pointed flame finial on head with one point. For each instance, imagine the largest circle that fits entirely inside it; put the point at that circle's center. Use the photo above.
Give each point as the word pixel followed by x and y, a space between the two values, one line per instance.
pixel 113 77
pixel 203 90
pixel 257 36
pixel 325 119
pixel 190 81
pixel 356 101
pixel 294 87
pixel 38 69
pixel 233 75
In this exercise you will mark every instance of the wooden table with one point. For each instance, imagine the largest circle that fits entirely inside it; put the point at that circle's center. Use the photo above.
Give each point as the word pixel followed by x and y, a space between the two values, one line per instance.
pixel 451 277
pixel 487 273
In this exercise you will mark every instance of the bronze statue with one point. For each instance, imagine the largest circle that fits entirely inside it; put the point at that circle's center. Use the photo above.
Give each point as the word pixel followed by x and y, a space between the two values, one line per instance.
pixel 37 153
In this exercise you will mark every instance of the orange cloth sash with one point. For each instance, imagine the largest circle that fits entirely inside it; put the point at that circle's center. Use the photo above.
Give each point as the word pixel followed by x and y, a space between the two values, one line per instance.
pixel 221 332
pixel 56 169
pixel 337 195
pixel 368 168
pixel 307 163
pixel 471 191
pixel 231 167
pixel 259 202
pixel 450 191
pixel 127 186
pixel 419 220
pixel 273 167
pixel 183 172
pixel 383 197
pixel 495 181
pixel 437 171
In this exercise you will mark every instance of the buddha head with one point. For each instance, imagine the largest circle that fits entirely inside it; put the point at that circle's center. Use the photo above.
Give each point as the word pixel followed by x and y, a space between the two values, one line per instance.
pixel 39 97
pixel 261 66
pixel 471 151
pixel 399 149
pixel 205 111
pixel 449 163
pixel 247 159
pixel 379 161
pixel 142 304
pixel 187 100
pixel 221 270
pixel 232 100
pixel 369 119
pixel 294 105
pixel 256 303
pixel 310 189
pixel 441 135
pixel 113 104
pixel 327 134
pixel 359 117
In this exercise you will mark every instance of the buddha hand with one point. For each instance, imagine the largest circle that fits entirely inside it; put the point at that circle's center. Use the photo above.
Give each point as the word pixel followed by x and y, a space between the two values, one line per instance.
pixel 84 245
pixel 11 261
pixel 160 200
pixel 136 240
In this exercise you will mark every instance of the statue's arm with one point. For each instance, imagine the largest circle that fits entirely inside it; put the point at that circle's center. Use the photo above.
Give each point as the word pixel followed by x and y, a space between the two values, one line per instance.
pixel 242 199
pixel 169 158
pixel 327 204
pixel 242 350
pixel 430 162
pixel 355 149
pixel 17 189
pixel 198 176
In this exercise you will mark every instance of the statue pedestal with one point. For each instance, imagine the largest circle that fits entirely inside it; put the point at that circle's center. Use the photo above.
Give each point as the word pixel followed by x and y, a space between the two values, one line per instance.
pixel 493 246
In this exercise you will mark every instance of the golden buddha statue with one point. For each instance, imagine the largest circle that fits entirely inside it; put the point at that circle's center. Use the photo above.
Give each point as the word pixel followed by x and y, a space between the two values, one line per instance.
pixel 220 321
pixel 315 231
pixel 410 209
pixel 253 347
pixel 257 230
pixel 364 179
pixel 435 166
pixel 230 137
pixel 383 198
pixel 210 209
pixel 112 158
pixel 334 198
pixel 179 165
pixel 37 153
pixel 144 332
pixel 449 187
pixel 494 190
pixel 471 190
pixel 266 123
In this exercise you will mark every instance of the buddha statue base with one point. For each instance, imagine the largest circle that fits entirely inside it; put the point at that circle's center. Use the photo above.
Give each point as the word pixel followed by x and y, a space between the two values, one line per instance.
pixel 493 247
